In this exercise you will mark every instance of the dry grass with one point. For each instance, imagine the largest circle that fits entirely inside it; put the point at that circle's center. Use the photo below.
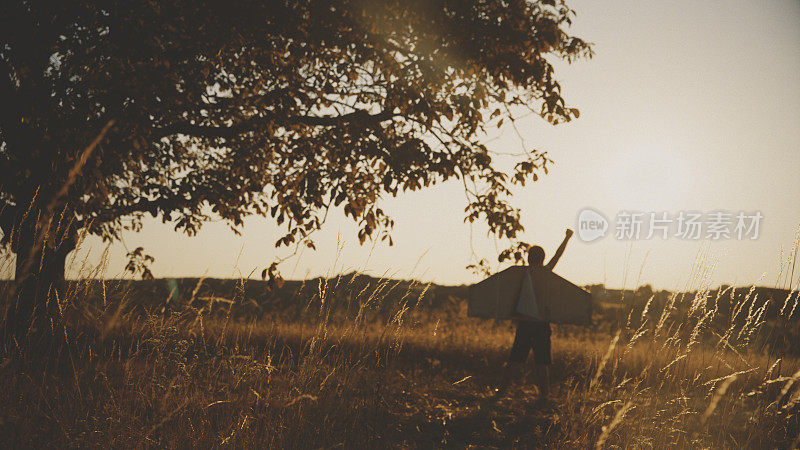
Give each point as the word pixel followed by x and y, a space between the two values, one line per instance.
pixel 354 370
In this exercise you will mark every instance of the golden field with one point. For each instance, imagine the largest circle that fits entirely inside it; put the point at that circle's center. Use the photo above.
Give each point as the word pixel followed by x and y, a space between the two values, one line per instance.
pixel 354 361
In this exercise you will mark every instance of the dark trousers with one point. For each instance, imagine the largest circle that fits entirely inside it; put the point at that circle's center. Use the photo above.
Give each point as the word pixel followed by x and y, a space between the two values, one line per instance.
pixel 531 335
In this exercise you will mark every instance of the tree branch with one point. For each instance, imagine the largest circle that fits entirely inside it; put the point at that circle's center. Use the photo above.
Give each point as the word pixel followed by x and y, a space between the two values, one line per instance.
pixel 248 125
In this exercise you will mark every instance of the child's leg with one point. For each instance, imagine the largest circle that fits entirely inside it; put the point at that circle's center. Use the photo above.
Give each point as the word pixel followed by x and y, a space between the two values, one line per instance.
pixel 541 357
pixel 519 353
pixel 543 380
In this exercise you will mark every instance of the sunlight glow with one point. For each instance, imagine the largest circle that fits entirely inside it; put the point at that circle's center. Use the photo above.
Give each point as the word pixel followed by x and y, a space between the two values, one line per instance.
pixel 649 178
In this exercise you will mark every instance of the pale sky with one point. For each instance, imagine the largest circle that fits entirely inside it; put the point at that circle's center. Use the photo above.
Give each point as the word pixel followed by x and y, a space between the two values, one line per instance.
pixel 686 106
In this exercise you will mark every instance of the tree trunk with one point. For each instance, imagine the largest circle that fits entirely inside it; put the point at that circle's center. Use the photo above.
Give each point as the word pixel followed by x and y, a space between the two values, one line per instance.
pixel 34 314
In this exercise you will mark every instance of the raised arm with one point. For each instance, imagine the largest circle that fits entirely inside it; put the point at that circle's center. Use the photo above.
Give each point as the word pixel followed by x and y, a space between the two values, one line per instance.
pixel 554 260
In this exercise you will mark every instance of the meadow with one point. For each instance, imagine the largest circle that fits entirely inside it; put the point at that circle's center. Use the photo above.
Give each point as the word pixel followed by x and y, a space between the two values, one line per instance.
pixel 359 362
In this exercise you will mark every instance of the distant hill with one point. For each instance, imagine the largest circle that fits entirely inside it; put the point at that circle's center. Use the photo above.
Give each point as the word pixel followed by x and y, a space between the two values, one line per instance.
pixel 350 290
pixel 255 297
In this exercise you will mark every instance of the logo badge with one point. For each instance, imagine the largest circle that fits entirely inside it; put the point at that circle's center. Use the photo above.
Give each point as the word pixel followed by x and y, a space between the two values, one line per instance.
pixel 591 225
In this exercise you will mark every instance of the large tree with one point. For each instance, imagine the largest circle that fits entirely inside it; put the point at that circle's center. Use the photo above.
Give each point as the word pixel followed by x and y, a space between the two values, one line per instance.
pixel 186 110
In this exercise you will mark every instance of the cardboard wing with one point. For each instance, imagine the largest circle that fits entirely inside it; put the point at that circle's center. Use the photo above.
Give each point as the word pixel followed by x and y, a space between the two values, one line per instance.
pixel 537 294
pixel 496 297
pixel 561 301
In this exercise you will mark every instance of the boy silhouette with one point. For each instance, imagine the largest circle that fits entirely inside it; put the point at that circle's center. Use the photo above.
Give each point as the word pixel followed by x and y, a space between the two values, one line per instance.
pixel 532 334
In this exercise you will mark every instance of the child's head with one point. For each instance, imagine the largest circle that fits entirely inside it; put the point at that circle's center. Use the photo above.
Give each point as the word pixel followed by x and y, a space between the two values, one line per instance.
pixel 536 256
